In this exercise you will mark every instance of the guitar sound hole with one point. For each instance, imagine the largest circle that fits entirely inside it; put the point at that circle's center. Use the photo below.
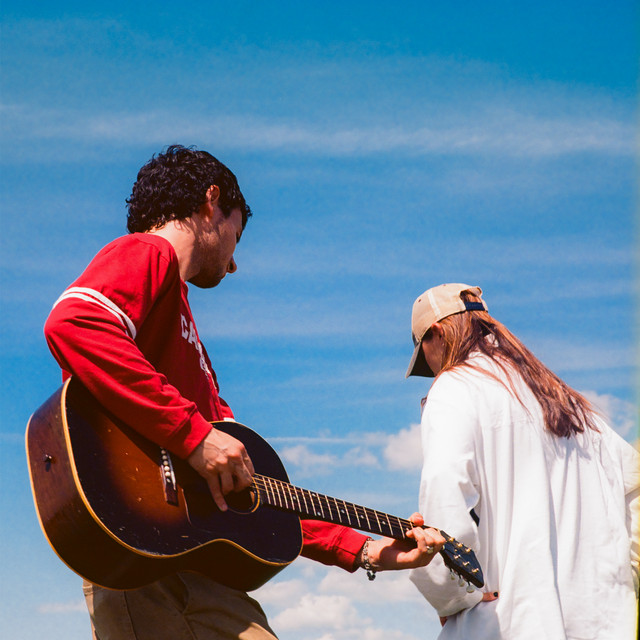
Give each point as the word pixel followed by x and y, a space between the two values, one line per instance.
pixel 203 512
pixel 243 501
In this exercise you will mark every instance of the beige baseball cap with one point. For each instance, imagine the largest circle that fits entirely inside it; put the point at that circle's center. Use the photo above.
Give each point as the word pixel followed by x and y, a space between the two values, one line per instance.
pixel 434 305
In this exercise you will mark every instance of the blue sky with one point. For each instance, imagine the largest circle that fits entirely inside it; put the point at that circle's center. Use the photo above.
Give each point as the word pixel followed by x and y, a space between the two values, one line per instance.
pixel 384 148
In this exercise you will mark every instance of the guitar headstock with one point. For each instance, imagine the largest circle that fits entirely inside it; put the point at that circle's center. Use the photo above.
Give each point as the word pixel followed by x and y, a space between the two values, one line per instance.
pixel 461 560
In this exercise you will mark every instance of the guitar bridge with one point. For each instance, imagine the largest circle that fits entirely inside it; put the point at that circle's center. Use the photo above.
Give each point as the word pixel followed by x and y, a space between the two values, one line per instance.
pixel 168 478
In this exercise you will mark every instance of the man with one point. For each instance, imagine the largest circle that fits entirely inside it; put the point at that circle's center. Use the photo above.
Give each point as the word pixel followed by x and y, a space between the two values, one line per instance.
pixel 125 330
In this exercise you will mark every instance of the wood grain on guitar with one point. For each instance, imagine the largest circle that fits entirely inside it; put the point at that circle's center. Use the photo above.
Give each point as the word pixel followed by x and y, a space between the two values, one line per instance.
pixel 121 512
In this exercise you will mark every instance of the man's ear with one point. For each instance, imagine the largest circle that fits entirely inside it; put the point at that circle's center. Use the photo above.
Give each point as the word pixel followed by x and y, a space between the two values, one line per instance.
pixel 213 194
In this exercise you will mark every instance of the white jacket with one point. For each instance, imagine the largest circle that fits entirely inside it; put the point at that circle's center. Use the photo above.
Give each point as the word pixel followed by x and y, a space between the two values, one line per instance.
pixel 556 515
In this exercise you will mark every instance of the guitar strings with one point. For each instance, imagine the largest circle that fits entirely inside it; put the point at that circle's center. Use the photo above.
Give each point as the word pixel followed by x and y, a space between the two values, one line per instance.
pixel 287 496
pixel 284 495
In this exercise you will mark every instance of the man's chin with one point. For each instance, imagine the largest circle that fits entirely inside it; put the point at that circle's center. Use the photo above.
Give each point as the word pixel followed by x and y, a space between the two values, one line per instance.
pixel 203 282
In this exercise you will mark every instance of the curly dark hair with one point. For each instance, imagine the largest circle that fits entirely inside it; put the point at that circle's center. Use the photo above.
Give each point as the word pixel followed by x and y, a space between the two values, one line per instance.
pixel 173 185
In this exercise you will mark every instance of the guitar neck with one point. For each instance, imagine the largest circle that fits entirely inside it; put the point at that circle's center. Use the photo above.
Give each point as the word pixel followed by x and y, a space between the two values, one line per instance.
pixel 315 506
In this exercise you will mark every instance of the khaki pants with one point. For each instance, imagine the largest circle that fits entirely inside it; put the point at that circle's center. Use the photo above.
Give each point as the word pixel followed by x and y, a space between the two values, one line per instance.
pixel 184 606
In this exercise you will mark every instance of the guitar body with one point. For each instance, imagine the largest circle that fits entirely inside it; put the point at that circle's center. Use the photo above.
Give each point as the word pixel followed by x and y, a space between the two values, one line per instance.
pixel 109 507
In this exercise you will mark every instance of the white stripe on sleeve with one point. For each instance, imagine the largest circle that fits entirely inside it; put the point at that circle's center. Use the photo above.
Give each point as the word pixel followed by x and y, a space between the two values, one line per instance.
pixel 97 298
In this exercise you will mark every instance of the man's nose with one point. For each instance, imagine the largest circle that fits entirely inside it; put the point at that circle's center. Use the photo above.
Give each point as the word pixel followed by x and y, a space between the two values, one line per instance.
pixel 232 266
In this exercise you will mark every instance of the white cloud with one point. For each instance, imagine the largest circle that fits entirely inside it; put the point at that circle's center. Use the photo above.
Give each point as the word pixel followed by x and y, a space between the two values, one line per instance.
pixel 284 592
pixel 404 449
pixel 360 457
pixel 399 451
pixel 63 607
pixel 327 603
pixel 302 456
pixel 620 414
pixel 312 463
pixel 318 612
pixel 511 134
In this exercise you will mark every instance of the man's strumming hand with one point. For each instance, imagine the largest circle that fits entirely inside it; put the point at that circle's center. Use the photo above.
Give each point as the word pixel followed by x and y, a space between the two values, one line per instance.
pixel 224 463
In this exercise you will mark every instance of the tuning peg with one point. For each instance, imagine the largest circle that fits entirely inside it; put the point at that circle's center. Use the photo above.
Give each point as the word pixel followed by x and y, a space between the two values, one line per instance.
pixel 461 582
pixel 470 588
pixel 452 574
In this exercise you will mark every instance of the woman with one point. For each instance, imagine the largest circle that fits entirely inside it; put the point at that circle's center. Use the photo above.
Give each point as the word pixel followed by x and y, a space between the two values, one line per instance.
pixel 519 467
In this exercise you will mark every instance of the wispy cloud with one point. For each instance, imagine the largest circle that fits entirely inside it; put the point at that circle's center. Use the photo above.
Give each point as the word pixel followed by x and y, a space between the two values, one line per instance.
pixel 321 101
pixel 63 607
pixel 12 438
pixel 503 133
pixel 567 356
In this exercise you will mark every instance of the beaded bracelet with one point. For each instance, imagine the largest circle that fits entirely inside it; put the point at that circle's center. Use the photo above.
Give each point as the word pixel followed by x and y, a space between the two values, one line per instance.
pixel 366 563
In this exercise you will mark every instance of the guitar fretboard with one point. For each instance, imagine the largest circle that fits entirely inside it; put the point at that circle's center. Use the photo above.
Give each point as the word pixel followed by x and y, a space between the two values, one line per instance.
pixel 317 506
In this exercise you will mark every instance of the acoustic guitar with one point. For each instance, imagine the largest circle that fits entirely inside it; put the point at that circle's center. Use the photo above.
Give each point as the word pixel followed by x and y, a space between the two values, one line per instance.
pixel 122 512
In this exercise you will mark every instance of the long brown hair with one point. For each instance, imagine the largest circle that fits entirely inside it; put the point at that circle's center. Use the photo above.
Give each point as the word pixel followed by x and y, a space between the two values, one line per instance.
pixel 565 411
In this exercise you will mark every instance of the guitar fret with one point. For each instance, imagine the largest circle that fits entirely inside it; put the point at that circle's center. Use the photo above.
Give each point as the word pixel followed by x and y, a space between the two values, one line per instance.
pixel 306 507
pixel 265 490
pixel 345 510
pixel 356 515
pixel 376 515
pixel 273 492
pixel 326 499
pixel 364 512
pixel 296 495
pixel 402 531
pixel 339 515
pixel 291 493
pixel 366 515
pixel 259 485
pixel 284 493
pixel 354 510
pixel 333 510
pixel 316 512
pixel 270 496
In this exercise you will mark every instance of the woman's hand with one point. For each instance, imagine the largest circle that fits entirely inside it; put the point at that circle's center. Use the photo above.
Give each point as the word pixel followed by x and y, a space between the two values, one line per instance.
pixel 418 551
pixel 486 597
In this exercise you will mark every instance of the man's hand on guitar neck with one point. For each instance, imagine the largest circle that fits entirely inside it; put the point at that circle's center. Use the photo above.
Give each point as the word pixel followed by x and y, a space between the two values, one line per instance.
pixel 387 553
pixel 224 463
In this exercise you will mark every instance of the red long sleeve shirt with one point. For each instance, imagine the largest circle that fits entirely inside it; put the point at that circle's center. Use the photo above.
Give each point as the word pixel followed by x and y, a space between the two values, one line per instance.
pixel 125 329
